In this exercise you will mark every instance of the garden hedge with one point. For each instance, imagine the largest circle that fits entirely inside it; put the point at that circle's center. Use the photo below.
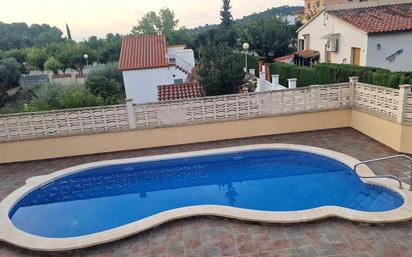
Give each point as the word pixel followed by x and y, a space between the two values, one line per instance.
pixel 326 73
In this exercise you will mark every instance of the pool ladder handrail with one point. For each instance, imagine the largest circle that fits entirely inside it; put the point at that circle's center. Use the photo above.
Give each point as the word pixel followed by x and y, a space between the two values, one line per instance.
pixel 387 176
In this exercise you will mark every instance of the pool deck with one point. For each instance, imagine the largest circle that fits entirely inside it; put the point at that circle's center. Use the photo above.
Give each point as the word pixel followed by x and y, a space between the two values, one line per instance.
pixel 221 237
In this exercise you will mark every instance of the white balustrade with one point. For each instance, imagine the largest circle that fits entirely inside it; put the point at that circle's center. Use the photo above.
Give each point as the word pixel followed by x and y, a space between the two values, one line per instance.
pixel 388 103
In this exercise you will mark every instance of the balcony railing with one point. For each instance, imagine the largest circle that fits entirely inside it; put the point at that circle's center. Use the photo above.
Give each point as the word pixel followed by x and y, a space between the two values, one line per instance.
pixel 391 104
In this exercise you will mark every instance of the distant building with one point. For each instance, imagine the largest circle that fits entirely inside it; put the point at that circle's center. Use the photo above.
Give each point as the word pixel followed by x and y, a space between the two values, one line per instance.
pixel 376 36
pixel 147 62
pixel 312 7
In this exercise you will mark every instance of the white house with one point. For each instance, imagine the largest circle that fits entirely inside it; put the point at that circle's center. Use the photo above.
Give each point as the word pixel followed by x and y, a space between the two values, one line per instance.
pixel 147 62
pixel 376 36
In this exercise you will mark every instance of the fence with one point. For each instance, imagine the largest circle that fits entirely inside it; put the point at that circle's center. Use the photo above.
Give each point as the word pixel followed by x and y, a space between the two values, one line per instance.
pixel 408 109
pixel 34 80
pixel 241 106
pixel 66 122
pixel 384 102
pixel 377 100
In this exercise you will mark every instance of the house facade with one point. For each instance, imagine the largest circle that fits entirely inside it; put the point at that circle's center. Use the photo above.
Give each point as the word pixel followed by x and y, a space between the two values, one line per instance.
pixel 376 36
pixel 147 62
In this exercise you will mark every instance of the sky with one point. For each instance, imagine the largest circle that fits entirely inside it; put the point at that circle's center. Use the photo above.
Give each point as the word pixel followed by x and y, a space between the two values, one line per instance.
pixel 99 17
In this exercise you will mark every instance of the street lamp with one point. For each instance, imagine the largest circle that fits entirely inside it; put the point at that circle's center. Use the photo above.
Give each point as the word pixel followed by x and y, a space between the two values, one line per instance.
pixel 246 48
pixel 87 59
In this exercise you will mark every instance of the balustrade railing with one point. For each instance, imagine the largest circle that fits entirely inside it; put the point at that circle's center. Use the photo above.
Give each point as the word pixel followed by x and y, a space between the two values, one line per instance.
pixel 388 103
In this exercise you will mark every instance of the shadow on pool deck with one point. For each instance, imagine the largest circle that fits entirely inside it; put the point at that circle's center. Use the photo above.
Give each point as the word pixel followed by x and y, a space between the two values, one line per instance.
pixel 205 236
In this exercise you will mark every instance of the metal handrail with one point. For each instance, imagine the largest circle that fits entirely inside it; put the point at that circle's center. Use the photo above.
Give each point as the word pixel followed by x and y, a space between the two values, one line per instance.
pixel 388 176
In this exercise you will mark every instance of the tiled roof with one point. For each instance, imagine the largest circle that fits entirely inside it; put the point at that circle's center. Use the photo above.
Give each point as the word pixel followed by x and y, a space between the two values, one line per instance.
pixel 143 52
pixel 284 58
pixel 307 53
pixel 179 91
pixel 378 19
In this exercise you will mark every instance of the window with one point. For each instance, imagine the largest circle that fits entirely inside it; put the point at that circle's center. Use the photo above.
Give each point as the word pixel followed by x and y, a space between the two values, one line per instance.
pixel 178 81
pixel 318 4
pixel 301 44
pixel 307 41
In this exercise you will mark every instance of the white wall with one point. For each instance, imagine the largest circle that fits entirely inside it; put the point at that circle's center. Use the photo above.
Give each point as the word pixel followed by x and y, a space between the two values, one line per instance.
pixel 390 43
pixel 350 37
pixel 185 59
pixel 171 50
pixel 141 85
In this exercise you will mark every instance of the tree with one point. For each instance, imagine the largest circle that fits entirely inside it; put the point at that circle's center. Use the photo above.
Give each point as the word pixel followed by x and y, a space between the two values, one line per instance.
pixel 225 14
pixel 151 23
pixel 69 34
pixel 220 71
pixel 168 23
pixel 53 65
pixel 36 57
pixel 268 36
pixel 63 53
pixel 226 33
pixel 10 72
pixel 148 24
pixel 110 48
pixel 106 88
pixel 19 35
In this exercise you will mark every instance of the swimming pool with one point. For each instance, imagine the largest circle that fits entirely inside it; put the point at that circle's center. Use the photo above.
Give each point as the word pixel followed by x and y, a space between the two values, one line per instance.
pixel 109 196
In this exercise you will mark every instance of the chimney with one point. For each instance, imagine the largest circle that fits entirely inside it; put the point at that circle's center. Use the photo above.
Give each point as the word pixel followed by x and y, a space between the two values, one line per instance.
pixel 292 83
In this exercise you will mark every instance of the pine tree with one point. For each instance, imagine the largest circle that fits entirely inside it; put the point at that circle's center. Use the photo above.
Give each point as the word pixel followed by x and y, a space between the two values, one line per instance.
pixel 225 14
pixel 69 35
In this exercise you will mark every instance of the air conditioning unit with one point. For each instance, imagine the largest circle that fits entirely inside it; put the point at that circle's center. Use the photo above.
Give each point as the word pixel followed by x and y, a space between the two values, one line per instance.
pixel 332 45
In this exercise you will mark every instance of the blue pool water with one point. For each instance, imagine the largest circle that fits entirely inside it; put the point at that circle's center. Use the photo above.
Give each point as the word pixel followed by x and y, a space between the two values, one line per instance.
pixel 107 197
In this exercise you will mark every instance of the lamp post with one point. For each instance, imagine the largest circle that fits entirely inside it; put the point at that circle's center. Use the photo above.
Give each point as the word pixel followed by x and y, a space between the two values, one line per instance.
pixel 87 59
pixel 246 48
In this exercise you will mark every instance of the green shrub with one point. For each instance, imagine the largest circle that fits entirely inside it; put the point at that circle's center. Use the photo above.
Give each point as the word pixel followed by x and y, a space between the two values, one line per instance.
pixel 46 97
pixel 10 71
pixel 77 97
pixel 52 64
pixel 54 97
pixel 109 71
pixel 326 73
pixel 106 88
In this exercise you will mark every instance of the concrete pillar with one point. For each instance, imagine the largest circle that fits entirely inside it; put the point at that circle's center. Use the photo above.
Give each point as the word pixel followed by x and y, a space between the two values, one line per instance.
pixel 262 75
pixel 130 113
pixel 404 90
pixel 353 80
pixel 275 80
pixel 292 83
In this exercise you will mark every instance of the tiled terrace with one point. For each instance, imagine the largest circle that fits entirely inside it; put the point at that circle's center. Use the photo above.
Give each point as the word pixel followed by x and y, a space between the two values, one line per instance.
pixel 206 236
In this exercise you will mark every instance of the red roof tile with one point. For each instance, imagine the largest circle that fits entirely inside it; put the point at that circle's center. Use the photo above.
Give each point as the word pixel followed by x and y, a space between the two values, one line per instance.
pixel 143 52
pixel 378 19
pixel 307 53
pixel 179 91
pixel 284 58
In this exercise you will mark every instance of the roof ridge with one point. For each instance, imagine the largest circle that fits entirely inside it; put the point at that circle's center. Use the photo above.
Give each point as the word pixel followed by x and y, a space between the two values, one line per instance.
pixel 366 7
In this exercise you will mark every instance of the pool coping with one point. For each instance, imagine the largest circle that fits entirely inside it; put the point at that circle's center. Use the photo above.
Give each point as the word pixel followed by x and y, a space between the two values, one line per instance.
pixel 10 234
